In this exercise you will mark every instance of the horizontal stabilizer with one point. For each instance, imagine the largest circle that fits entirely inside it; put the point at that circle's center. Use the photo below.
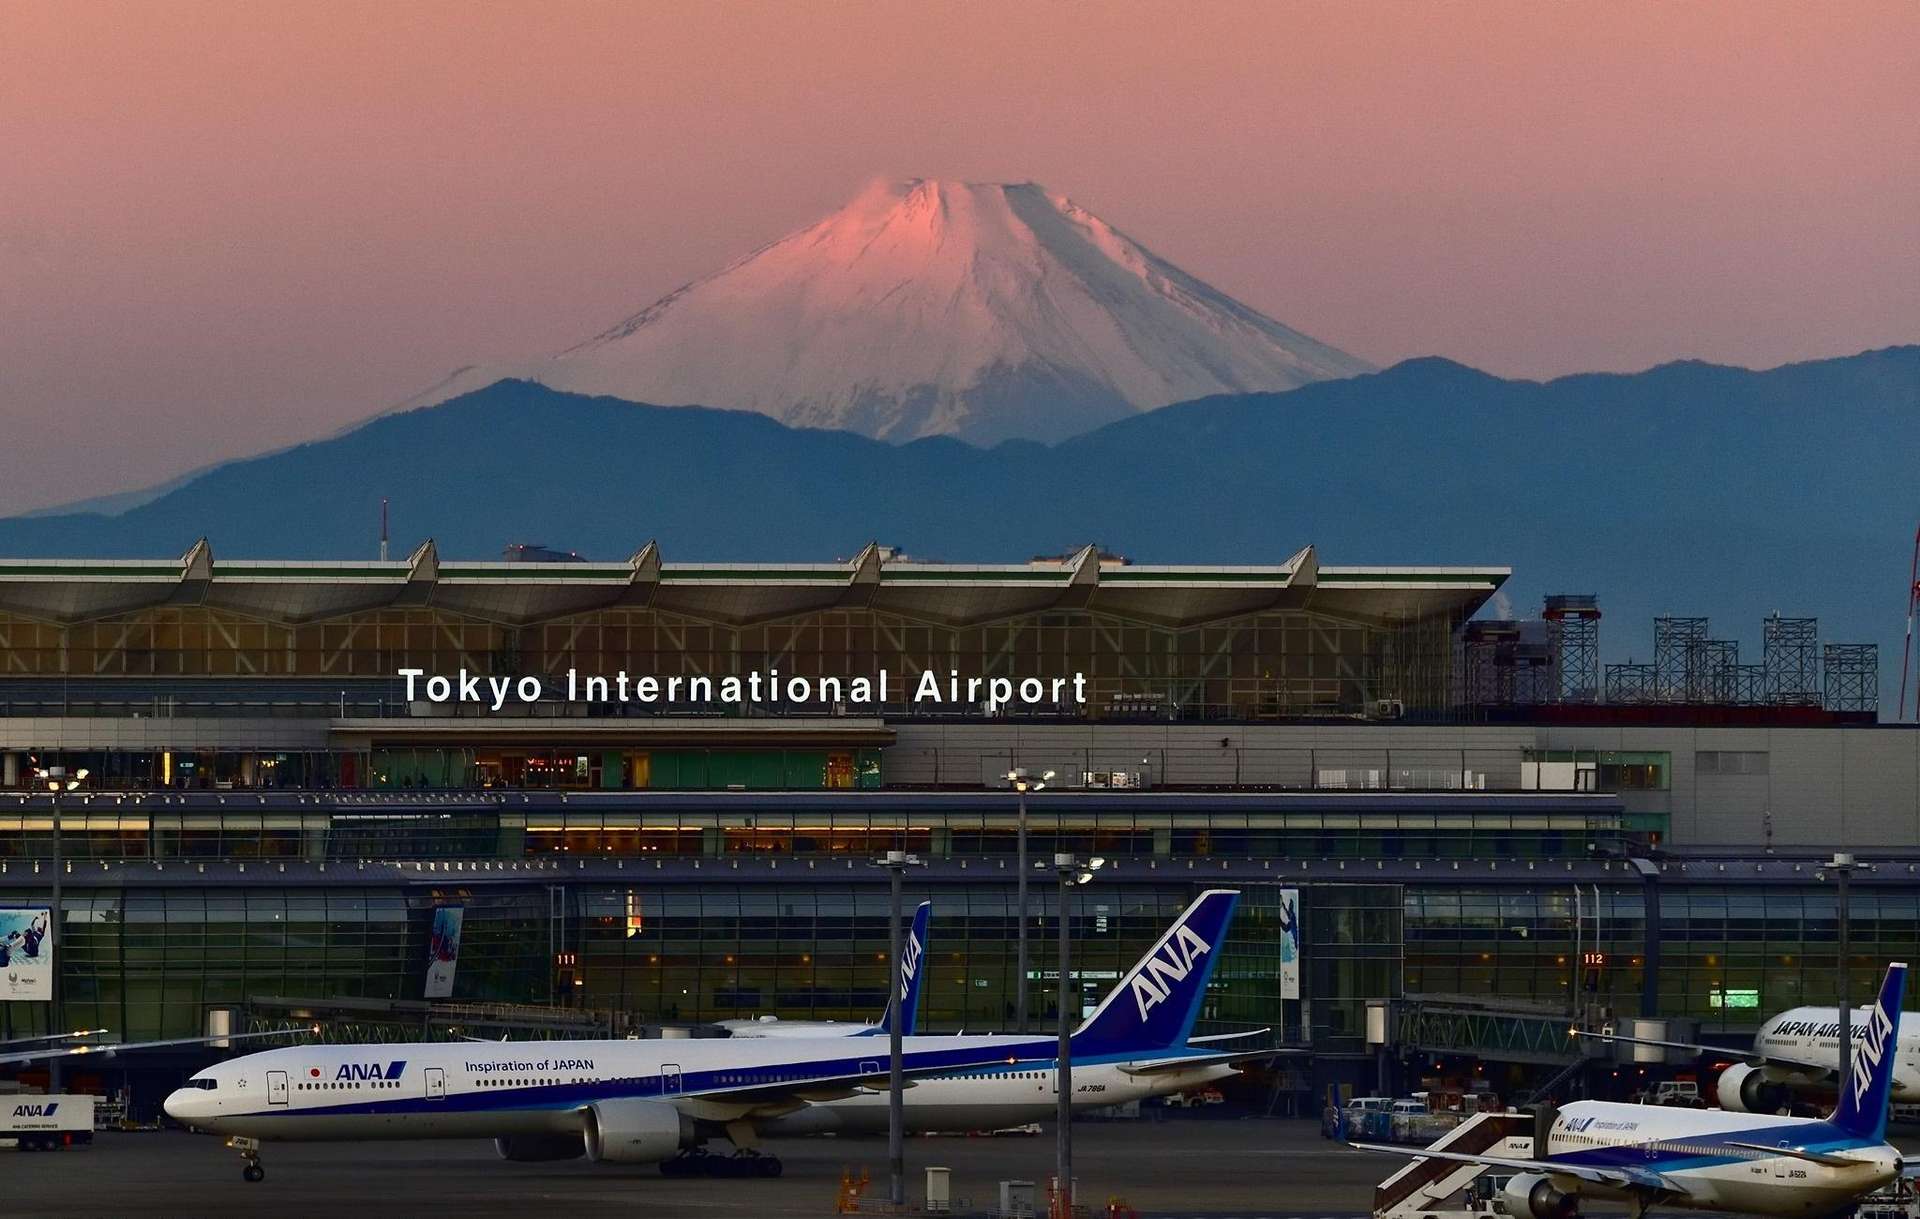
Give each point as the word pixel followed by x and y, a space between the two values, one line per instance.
pixel 1811 1157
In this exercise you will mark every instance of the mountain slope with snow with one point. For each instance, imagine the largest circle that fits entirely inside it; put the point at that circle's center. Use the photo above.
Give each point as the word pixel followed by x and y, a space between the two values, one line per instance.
pixel 984 311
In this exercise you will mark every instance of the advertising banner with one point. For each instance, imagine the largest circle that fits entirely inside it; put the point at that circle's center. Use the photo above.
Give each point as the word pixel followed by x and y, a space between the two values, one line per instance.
pixel 1289 943
pixel 26 953
pixel 443 951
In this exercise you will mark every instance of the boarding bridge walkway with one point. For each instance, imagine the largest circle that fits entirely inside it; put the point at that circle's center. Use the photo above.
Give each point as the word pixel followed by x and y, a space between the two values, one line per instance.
pixel 1457 1024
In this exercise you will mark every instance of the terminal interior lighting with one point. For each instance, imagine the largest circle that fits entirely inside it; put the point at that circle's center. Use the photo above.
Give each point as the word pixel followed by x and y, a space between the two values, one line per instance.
pixel 1024 782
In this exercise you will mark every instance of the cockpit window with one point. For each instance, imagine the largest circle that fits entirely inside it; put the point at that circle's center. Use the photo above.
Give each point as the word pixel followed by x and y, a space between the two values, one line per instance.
pixel 205 1085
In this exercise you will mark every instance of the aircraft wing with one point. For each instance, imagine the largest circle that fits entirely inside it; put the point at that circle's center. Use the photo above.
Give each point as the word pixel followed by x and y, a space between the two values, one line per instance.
pixel 818 1088
pixel 1229 1036
pixel 111 1048
pixel 1756 1057
pixel 1621 1177
pixel 1166 1066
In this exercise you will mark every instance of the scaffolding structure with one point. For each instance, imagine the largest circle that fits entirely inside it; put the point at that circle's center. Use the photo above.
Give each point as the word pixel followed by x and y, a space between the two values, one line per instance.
pixel 1853 676
pixel 1556 659
pixel 1631 683
pixel 1792 647
pixel 1675 641
pixel 1573 624
pixel 1710 670
pixel 1507 664
pixel 1750 685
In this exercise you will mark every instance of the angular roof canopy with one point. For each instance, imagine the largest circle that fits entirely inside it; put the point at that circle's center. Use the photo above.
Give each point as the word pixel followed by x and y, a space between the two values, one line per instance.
pixel 947 594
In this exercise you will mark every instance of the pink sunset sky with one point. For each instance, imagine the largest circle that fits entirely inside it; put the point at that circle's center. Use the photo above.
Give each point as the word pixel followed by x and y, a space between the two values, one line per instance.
pixel 225 228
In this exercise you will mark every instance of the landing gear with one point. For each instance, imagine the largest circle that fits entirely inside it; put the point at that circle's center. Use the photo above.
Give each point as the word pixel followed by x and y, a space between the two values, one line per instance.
pixel 249 1150
pixel 687 1164
pixel 741 1164
pixel 748 1160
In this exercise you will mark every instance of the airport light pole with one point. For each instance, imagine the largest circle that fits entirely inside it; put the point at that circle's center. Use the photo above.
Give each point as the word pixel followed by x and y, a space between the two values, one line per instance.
pixel 896 863
pixel 57 782
pixel 1023 784
pixel 1842 867
pixel 54 947
pixel 1071 875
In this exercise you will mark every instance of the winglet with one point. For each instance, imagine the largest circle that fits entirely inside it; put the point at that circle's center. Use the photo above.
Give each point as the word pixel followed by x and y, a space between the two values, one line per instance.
pixel 1862 1111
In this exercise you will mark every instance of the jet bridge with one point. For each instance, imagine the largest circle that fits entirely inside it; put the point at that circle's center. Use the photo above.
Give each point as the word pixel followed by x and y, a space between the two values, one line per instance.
pixel 1447 1024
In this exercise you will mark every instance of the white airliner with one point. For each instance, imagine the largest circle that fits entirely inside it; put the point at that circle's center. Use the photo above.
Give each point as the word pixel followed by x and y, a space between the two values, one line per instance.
pixel 1796 1051
pixel 981 1100
pixel 656 1101
pixel 1713 1160
pixel 908 993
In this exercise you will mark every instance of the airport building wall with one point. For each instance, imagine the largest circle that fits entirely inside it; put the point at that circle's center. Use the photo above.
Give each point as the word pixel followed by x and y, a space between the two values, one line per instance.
pixel 149 951
pixel 1799 788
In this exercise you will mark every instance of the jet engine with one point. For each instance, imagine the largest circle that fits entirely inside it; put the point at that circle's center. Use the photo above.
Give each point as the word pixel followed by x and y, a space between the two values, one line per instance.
pixel 1532 1194
pixel 636 1132
pixel 1746 1089
pixel 533 1148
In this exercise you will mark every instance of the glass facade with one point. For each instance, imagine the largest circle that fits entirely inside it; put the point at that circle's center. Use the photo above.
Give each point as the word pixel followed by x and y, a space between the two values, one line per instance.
pixel 1529 945
pixel 247 828
pixel 149 962
pixel 1734 956
pixel 1269 662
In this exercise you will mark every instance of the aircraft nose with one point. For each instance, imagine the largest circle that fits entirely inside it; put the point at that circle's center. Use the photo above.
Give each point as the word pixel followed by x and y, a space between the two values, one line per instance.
pixel 181 1104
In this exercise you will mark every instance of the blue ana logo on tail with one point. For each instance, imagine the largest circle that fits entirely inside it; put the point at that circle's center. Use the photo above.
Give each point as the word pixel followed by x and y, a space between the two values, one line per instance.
pixel 1155 1004
pixel 1862 1111
pixel 907 993
pixel 1874 1040
pixel 1169 964
pixel 909 965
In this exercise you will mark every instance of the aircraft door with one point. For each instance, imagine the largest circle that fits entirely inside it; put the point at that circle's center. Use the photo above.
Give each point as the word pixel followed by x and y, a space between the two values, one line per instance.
pixel 1780 1165
pixel 670 1079
pixel 276 1087
pixel 436 1083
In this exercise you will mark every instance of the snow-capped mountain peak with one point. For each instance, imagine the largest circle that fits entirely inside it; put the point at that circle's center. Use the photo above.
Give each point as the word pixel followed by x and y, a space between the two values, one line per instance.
pixel 982 310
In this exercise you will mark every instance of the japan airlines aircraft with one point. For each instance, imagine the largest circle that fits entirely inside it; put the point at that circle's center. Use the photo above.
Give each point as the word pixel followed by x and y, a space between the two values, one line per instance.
pixel 639 1102
pixel 1713 1160
pixel 1796 1051
pixel 908 994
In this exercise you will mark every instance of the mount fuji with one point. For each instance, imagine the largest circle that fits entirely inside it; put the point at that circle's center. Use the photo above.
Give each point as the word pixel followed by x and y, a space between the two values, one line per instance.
pixel 922 308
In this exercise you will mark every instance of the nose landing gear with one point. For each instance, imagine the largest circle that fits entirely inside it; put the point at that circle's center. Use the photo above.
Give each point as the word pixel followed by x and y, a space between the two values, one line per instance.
pixel 249 1150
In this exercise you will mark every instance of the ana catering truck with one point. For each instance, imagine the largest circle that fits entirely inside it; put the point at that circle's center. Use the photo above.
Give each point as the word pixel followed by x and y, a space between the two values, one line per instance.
pixel 46 1123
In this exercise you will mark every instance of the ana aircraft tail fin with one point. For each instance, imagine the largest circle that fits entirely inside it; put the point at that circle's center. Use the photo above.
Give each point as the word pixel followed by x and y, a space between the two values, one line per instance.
pixel 907 993
pixel 1154 1006
pixel 1862 1111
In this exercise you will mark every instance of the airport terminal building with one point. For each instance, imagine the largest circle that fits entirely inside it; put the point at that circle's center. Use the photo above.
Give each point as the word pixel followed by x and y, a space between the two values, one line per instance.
pixel 247 818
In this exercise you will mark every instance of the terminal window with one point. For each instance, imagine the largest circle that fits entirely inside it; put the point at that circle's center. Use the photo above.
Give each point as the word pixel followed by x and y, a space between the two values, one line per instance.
pixel 1730 762
pixel 1607 770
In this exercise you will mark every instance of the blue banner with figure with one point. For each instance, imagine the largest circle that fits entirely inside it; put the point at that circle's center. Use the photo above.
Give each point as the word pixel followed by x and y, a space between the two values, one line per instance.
pixel 1289 943
pixel 26 953
pixel 443 951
